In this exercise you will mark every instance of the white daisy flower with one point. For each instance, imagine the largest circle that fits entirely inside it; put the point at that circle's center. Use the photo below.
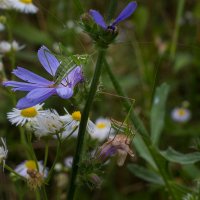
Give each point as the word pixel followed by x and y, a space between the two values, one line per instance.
pixel 15 46
pixel 24 6
pixel 6 47
pixel 47 124
pixel 72 124
pixel 68 161
pixel 102 129
pixel 20 117
pixel 181 114
pixel 34 174
pixel 3 152
pixel 22 168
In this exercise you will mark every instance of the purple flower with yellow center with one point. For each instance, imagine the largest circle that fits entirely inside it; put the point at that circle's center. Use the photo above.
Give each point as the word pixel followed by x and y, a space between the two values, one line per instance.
pixel 39 88
pixel 126 12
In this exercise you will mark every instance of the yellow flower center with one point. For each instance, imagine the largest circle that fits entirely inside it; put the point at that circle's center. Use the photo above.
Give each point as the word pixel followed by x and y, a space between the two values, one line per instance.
pixel 76 115
pixel 30 164
pixel 101 125
pixel 181 112
pixel 29 112
pixel 26 1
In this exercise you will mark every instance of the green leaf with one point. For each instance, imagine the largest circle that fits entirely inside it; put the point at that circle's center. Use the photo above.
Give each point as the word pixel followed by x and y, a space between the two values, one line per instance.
pixel 174 156
pixel 182 60
pixel 192 171
pixel 158 112
pixel 145 174
pixel 143 151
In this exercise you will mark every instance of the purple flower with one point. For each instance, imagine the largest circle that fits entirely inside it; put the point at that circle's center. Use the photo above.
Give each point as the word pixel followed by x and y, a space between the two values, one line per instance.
pixel 40 88
pixel 127 12
pixel 118 146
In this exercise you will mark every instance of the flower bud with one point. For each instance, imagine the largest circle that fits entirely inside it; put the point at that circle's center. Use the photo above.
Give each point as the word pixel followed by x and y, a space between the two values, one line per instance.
pixel 94 180
pixel 87 20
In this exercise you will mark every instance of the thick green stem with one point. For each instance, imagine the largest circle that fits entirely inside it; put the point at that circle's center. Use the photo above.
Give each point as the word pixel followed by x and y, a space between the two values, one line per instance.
pixel 83 123
pixel 140 128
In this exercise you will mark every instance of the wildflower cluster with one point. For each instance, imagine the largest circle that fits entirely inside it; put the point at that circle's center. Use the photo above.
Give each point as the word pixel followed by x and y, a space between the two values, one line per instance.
pixel 47 122
pixel 45 125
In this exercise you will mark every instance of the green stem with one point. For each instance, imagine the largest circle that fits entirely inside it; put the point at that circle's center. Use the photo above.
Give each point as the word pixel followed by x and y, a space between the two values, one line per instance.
pixel 140 128
pixel 83 123
pixel 44 193
pixel 176 29
pixel 25 142
pixel 31 150
pixel 14 172
pixel 37 194
pixel 55 160
pixel 46 154
pixel 2 72
pixel 22 136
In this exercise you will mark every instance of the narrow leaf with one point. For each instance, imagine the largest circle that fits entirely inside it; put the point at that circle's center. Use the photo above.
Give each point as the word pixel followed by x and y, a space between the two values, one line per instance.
pixel 158 112
pixel 142 150
pixel 174 156
pixel 145 174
